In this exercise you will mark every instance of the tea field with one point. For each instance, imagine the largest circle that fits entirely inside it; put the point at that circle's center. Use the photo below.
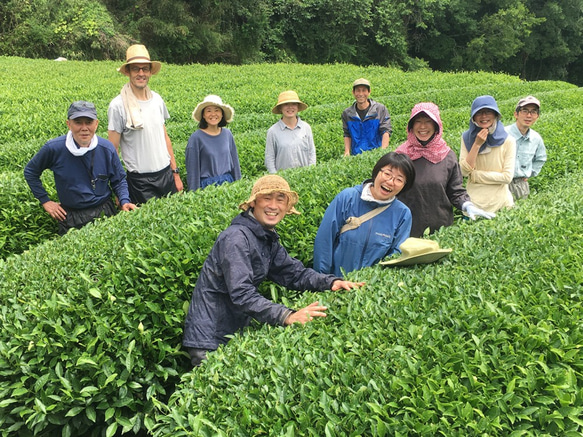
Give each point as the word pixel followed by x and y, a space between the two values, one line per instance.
pixel 487 342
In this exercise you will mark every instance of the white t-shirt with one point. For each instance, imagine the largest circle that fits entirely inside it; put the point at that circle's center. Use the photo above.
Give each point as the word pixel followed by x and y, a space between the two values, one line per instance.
pixel 142 150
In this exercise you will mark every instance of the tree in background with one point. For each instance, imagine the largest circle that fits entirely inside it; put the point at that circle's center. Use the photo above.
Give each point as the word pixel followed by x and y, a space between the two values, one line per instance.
pixel 47 29
pixel 536 39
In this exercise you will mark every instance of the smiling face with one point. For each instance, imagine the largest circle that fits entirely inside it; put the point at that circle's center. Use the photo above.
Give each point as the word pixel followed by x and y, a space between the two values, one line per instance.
pixel 423 127
pixel 361 94
pixel 83 130
pixel 526 117
pixel 289 110
pixel 388 183
pixel 139 75
pixel 212 115
pixel 270 209
pixel 485 118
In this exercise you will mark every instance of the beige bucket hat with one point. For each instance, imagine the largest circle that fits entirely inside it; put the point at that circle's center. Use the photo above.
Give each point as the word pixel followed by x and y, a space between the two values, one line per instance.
pixel 213 100
pixel 272 184
pixel 138 54
pixel 288 97
pixel 417 251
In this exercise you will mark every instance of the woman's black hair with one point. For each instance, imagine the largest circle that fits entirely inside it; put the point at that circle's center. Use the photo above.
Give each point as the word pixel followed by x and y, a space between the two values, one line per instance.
pixel 399 161
pixel 202 124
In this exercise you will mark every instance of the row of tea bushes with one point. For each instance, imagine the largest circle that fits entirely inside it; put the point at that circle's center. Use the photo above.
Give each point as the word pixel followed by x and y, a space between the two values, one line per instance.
pixel 487 342
pixel 92 321
pixel 400 91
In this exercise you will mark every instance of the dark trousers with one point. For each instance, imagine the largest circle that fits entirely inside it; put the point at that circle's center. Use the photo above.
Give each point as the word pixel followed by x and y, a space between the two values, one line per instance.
pixel 144 186
pixel 77 218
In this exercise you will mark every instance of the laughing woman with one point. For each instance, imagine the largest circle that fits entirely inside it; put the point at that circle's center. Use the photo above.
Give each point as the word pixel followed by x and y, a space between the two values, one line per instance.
pixel 367 222
pixel 211 154
pixel 487 157
pixel 438 178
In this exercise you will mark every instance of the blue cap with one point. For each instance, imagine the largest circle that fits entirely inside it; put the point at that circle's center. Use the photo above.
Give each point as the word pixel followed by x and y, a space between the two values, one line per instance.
pixel 81 108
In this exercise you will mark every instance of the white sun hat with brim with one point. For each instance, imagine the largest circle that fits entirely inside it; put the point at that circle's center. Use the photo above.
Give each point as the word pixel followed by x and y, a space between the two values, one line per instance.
pixel 213 100
pixel 417 251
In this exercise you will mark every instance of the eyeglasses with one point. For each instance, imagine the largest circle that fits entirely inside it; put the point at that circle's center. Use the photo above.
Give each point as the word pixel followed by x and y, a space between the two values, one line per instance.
pixel 137 69
pixel 388 174
pixel 526 111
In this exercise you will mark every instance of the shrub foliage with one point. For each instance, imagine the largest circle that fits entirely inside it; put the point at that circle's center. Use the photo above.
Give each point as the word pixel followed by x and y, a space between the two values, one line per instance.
pixel 486 342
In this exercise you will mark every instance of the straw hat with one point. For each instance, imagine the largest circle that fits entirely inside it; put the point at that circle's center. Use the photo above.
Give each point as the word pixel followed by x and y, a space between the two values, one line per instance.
pixel 272 184
pixel 212 100
pixel 138 54
pixel 288 97
pixel 417 251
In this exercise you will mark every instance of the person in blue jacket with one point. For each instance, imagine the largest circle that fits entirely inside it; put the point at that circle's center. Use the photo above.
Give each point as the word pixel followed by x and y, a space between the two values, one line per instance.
pixel 340 245
pixel 366 123
pixel 248 252
pixel 86 168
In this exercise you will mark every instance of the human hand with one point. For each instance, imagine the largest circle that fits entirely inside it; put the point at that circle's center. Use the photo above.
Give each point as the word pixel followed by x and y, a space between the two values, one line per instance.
pixel 178 182
pixel 55 210
pixel 472 211
pixel 481 137
pixel 307 314
pixel 128 207
pixel 339 284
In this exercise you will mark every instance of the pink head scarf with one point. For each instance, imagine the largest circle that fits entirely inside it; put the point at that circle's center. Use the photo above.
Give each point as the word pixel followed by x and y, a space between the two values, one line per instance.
pixel 437 149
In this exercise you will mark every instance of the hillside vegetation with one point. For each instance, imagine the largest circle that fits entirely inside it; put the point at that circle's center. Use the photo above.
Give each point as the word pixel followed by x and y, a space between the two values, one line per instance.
pixel 486 342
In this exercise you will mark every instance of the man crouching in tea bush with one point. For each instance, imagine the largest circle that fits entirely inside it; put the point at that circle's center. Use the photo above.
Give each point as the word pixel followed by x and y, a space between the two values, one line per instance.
pixel 226 297
pixel 86 169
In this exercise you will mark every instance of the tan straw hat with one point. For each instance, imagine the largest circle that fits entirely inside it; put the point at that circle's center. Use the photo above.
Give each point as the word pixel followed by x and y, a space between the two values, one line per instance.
pixel 272 184
pixel 138 54
pixel 288 97
pixel 212 100
pixel 417 251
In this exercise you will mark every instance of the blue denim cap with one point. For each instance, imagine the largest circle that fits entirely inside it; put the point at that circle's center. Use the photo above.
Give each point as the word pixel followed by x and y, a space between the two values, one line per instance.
pixel 82 108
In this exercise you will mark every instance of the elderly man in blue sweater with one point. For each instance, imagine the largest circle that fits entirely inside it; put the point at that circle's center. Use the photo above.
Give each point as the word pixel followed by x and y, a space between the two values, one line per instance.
pixel 86 168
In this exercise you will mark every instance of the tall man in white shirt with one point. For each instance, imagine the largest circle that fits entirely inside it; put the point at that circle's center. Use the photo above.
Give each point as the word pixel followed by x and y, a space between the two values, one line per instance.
pixel 137 129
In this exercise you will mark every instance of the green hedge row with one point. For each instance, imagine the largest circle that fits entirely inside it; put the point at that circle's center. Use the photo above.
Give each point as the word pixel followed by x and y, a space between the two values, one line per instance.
pixel 32 113
pixel 92 321
pixel 487 342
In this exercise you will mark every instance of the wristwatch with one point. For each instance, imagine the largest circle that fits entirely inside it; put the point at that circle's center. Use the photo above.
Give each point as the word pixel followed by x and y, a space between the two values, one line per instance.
pixel 176 170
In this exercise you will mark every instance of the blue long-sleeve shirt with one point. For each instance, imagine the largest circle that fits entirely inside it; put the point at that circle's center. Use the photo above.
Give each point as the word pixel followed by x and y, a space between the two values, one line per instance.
pixel 362 247
pixel 73 174
pixel 209 156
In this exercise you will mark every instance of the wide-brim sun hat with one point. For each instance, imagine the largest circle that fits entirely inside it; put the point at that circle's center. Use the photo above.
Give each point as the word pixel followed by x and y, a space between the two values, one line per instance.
pixel 272 184
pixel 138 54
pixel 213 100
pixel 288 97
pixel 417 251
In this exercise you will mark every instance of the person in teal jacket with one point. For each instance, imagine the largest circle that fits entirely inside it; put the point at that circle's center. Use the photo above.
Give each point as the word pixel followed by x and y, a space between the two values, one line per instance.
pixel 339 249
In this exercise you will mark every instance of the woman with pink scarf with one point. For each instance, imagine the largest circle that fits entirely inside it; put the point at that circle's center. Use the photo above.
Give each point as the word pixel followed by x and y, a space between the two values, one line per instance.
pixel 438 182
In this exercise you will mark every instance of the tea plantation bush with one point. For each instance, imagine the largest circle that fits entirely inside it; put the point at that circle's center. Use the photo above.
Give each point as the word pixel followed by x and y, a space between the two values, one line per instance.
pixel 486 342
pixel 33 111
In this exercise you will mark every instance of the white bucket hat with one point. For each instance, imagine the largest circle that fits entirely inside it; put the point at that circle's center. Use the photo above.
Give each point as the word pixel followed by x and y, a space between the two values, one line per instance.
pixel 417 251
pixel 213 100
